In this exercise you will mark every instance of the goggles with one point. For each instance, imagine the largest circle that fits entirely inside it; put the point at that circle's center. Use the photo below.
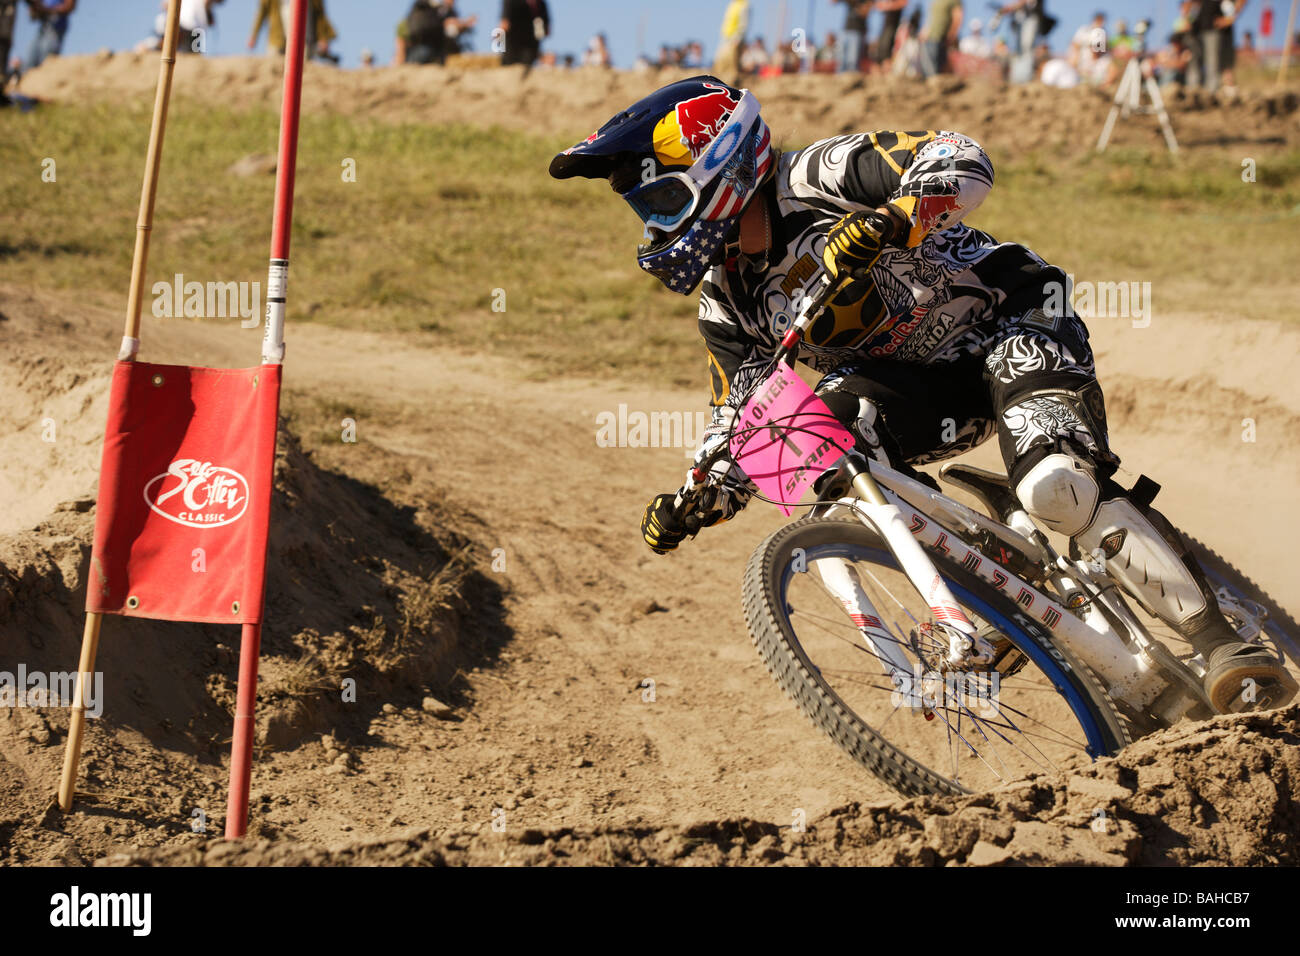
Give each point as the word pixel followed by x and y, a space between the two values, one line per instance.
pixel 665 202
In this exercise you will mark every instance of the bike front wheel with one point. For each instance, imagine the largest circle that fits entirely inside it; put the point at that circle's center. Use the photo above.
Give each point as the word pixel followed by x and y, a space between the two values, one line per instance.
pixel 940 728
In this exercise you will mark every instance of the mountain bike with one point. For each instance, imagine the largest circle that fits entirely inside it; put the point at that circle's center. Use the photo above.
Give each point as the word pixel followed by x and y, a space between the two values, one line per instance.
pixel 949 648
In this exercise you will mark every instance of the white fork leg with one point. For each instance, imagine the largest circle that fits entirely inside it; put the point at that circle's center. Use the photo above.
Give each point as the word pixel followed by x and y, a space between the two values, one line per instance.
pixel 843 582
pixel 920 570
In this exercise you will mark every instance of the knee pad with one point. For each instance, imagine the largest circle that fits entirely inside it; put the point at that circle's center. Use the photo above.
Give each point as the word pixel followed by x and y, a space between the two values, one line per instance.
pixel 1062 492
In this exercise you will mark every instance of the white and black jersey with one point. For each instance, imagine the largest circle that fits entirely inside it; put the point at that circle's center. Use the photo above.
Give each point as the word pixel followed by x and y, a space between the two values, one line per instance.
pixel 942 295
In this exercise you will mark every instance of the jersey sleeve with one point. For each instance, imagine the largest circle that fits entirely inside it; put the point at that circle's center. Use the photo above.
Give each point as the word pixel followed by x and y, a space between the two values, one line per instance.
pixel 730 348
pixel 933 179
pixel 737 358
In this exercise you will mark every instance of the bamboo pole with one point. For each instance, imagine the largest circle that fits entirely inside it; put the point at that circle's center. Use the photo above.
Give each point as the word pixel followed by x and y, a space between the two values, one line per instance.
pixel 77 724
pixel 149 188
pixel 1286 43
pixel 127 353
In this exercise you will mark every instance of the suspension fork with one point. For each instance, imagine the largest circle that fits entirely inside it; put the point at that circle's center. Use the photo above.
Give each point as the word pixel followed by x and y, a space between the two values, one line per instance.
pixel 886 517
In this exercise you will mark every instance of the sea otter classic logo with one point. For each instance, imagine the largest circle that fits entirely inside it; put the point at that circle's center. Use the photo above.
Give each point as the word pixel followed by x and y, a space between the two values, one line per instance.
pixel 198 494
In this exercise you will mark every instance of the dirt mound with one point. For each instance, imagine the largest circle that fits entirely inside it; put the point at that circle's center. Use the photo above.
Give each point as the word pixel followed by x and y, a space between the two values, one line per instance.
pixel 803 108
pixel 361 589
pixel 1222 792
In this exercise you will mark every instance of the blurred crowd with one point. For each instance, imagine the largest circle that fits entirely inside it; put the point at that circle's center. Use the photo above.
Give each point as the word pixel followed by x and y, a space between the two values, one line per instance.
pixel 1013 44
pixel 1012 41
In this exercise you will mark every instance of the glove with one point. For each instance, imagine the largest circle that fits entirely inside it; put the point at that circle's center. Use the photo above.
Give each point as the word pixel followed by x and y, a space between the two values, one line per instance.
pixel 855 242
pixel 664 528
pixel 661 526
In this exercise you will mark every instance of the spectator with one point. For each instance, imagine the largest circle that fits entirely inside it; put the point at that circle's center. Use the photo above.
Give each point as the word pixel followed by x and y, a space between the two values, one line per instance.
pixel 855 33
pixel 1173 61
pixel 975 43
pixel 939 35
pixel 1124 44
pixel 320 32
pixel 735 24
pixel 8 13
pixel 526 23
pixel 755 57
pixel 1205 24
pixel 1058 71
pixel 196 18
pixel 52 17
pixel 893 15
pixel 422 35
pixel 367 58
pixel 790 61
pixel 1029 22
pixel 457 28
pixel 907 60
pixel 1226 25
pixel 827 57
pixel 597 52
pixel 1090 44
pixel 1248 53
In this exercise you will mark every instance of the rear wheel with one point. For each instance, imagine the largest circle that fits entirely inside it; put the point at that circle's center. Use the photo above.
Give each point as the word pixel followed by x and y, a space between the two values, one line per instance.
pixel 941 728
pixel 1256 616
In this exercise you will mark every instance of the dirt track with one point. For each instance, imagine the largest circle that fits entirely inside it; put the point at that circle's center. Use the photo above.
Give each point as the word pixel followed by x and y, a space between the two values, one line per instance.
pixel 551 726
pixel 384 572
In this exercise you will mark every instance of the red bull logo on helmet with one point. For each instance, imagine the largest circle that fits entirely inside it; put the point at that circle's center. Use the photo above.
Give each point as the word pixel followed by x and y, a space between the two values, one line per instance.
pixel 682 137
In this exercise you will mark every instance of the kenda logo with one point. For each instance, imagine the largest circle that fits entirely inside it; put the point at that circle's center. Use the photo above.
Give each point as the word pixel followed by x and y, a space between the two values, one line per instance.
pixel 77 909
pixel 198 494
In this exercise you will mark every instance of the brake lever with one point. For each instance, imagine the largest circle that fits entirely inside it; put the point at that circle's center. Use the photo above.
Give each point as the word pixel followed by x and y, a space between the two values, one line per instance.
pixel 684 508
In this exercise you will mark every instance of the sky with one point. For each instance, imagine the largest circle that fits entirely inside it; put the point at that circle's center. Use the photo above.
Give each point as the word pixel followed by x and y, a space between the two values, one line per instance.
pixel 632 26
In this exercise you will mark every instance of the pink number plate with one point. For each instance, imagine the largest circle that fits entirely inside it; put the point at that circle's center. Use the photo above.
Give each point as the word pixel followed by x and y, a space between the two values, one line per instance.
pixel 786 437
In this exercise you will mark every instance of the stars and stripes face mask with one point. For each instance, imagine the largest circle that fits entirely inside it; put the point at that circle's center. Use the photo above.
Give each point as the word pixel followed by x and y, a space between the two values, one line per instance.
pixel 688 223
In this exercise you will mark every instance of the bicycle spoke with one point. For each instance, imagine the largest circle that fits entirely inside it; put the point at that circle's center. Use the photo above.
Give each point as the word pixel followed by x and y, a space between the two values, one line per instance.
pixel 1026 726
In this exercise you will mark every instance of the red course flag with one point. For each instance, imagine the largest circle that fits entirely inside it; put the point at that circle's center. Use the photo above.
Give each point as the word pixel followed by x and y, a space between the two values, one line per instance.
pixel 185 480
pixel 185 493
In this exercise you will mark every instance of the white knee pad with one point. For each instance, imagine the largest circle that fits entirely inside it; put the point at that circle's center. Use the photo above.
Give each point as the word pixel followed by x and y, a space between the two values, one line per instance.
pixel 1062 492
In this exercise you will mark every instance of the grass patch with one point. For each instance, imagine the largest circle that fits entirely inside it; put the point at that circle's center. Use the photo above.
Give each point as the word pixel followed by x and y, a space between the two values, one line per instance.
pixel 444 223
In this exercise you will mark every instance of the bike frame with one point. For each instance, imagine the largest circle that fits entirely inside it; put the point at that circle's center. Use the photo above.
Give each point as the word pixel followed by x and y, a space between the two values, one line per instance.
pixel 879 503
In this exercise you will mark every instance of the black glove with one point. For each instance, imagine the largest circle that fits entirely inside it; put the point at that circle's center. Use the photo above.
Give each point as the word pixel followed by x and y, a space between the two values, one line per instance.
pixel 661 526
pixel 855 242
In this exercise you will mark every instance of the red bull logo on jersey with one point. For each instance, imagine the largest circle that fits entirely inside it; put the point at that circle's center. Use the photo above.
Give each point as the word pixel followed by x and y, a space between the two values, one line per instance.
pixel 682 137
pixel 936 206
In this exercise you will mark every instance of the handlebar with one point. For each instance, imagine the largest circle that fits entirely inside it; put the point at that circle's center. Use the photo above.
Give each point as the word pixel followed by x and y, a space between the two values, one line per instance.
pixel 825 289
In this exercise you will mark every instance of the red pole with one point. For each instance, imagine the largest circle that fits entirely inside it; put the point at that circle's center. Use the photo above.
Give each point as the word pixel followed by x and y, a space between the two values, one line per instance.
pixel 278 276
pixel 241 745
